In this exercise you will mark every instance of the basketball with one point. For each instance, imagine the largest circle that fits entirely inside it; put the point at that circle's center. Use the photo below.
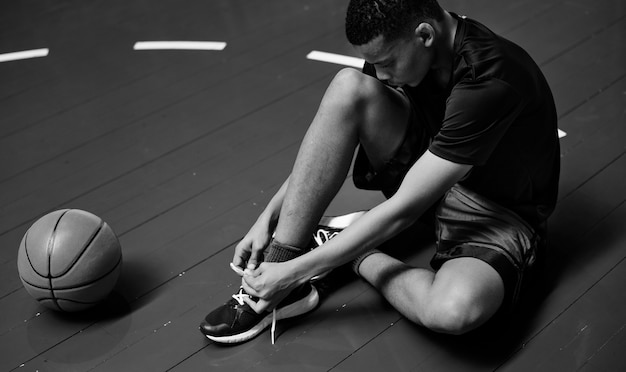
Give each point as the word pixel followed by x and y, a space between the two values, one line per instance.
pixel 69 260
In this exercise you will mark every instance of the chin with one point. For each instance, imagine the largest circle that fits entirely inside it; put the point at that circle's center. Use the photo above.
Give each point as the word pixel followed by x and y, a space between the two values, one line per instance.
pixel 395 84
pixel 413 84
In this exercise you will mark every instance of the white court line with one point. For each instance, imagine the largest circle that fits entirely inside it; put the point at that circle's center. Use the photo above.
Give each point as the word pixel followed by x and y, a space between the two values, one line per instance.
pixel 335 58
pixel 26 54
pixel 179 45
pixel 354 62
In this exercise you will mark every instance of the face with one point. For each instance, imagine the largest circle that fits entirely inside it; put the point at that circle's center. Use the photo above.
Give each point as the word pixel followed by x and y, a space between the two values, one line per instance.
pixel 398 63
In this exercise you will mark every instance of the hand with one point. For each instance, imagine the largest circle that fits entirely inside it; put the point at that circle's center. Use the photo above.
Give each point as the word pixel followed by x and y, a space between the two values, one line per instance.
pixel 249 251
pixel 271 282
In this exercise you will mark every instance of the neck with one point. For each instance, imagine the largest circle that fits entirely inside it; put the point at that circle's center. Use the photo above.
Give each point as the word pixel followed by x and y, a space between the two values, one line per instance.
pixel 445 47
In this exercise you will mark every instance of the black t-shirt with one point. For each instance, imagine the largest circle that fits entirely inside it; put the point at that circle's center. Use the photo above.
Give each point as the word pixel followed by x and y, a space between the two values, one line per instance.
pixel 497 114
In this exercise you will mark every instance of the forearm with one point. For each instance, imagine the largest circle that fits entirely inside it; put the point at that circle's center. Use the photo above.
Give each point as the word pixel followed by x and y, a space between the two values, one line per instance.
pixel 368 232
pixel 425 182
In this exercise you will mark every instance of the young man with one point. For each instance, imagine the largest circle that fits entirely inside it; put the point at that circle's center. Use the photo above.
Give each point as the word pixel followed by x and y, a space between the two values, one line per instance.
pixel 444 114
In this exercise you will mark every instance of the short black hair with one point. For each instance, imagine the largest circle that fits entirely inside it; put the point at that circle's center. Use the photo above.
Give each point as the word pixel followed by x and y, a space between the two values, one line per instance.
pixel 368 19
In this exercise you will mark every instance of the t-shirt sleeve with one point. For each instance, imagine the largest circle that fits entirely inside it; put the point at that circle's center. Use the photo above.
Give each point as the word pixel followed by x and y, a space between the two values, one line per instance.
pixel 478 114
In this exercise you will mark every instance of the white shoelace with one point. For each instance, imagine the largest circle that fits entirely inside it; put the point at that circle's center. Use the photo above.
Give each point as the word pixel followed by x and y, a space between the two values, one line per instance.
pixel 322 236
pixel 273 329
pixel 239 297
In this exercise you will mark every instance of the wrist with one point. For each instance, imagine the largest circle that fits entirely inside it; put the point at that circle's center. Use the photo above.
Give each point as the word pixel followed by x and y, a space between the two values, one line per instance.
pixel 297 273
pixel 308 267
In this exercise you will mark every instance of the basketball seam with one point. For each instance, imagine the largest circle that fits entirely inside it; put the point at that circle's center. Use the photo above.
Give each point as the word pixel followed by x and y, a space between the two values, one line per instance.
pixel 83 250
pixel 30 263
pixel 119 261
pixel 49 253
pixel 55 300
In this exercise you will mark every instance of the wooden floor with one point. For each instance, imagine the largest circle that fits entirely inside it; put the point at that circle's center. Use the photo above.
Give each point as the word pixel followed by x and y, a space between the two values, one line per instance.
pixel 180 150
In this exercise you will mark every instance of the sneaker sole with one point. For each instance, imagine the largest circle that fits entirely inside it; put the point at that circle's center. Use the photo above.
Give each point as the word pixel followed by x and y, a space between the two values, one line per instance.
pixel 340 222
pixel 303 306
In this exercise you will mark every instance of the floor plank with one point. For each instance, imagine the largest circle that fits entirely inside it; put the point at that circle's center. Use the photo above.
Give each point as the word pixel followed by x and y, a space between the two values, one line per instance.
pixel 610 356
pixel 577 335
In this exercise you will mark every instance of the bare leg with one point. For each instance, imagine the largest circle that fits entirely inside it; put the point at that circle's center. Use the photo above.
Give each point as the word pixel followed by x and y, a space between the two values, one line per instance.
pixel 355 109
pixel 458 298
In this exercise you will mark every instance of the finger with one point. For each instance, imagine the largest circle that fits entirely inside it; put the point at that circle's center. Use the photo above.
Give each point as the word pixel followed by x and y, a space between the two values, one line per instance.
pixel 241 255
pixel 259 306
pixel 254 272
pixel 252 263
pixel 256 256
pixel 248 285
pixel 238 261
pixel 236 269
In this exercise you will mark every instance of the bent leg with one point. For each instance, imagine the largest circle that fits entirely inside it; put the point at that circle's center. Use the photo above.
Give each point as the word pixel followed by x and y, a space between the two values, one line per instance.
pixel 356 108
pixel 460 297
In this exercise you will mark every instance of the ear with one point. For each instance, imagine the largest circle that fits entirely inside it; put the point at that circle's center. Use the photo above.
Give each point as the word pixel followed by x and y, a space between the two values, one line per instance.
pixel 426 33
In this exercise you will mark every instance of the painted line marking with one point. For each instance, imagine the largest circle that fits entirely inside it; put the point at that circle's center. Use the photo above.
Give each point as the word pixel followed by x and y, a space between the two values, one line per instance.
pixel 179 45
pixel 26 54
pixel 562 134
pixel 336 58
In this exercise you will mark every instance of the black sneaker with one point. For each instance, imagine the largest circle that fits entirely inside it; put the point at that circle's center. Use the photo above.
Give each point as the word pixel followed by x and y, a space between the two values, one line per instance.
pixel 328 228
pixel 236 322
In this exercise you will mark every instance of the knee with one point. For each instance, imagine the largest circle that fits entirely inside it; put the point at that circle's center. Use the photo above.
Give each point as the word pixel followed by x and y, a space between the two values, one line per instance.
pixel 456 314
pixel 355 86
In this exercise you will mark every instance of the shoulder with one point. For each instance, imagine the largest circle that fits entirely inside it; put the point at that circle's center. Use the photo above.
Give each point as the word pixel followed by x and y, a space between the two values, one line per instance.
pixel 481 55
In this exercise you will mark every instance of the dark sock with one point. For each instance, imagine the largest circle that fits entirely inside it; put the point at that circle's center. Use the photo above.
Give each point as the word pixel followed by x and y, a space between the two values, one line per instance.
pixel 279 252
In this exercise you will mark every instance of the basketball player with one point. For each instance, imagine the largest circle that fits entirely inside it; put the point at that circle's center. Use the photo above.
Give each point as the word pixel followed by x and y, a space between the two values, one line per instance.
pixel 445 114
